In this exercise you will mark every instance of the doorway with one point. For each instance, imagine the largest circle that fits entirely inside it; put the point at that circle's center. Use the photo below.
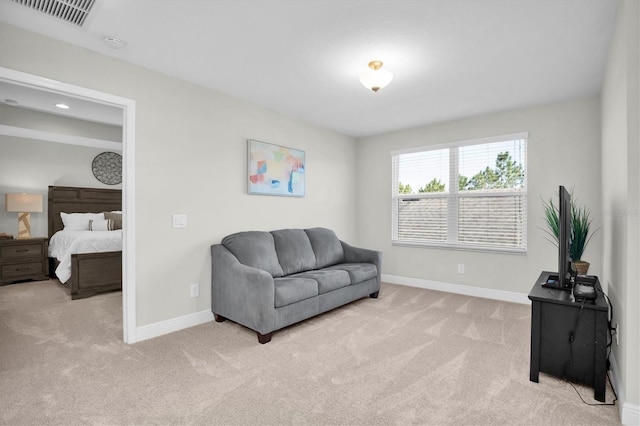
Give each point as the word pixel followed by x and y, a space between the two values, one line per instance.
pixel 10 76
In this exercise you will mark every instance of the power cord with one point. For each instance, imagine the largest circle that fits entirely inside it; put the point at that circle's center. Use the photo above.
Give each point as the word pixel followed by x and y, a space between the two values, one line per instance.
pixel 609 344
pixel 572 335
pixel 609 328
pixel 615 395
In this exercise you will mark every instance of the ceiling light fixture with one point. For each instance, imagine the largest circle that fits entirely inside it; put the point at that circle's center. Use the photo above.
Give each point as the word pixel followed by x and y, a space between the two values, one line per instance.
pixel 375 78
pixel 62 106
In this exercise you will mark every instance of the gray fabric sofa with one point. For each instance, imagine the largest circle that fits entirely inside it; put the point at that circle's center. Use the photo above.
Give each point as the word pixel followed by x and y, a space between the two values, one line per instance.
pixel 269 280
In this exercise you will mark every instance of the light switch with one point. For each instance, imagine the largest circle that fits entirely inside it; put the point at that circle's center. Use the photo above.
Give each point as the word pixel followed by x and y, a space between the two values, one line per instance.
pixel 179 220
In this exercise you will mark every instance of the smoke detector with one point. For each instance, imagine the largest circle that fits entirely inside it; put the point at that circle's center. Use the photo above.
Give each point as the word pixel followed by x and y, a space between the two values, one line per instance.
pixel 71 11
pixel 113 42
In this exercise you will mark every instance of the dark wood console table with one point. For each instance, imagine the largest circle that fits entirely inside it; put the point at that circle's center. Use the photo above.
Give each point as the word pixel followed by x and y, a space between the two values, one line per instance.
pixel 568 338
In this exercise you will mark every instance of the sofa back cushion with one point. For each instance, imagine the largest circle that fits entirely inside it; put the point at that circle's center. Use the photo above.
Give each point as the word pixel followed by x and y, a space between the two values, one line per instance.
pixel 256 249
pixel 294 251
pixel 326 246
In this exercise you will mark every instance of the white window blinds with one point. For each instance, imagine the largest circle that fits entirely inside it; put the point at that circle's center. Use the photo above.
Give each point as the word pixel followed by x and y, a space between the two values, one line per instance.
pixel 468 195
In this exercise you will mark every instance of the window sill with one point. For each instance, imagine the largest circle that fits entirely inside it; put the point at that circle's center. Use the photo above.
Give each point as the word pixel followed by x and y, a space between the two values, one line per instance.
pixel 447 246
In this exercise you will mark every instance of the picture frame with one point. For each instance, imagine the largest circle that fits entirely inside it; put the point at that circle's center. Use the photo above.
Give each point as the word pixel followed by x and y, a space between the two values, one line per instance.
pixel 275 169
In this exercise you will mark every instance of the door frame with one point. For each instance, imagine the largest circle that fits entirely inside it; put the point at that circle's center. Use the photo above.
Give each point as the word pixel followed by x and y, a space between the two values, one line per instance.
pixel 129 325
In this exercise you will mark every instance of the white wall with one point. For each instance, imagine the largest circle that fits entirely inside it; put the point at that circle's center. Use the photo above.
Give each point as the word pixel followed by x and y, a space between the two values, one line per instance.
pixel 191 159
pixel 621 194
pixel 30 166
pixel 563 149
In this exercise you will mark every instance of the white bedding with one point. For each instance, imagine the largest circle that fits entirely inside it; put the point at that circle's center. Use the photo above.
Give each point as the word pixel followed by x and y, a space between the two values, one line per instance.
pixel 65 243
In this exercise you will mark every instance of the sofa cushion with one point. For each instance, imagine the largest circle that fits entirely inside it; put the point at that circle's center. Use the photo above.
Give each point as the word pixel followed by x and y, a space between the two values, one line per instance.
pixel 358 272
pixel 293 289
pixel 326 246
pixel 294 251
pixel 328 280
pixel 255 249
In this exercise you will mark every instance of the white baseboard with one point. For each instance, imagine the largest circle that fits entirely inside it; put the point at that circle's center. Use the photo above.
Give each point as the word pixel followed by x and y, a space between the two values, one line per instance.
pixel 629 413
pixel 507 296
pixel 169 326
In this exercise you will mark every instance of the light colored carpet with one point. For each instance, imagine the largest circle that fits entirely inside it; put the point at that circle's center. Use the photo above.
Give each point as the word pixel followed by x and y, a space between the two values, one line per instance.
pixel 413 356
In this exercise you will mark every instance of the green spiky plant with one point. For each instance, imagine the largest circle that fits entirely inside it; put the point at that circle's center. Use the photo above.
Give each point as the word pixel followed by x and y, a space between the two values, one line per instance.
pixel 581 226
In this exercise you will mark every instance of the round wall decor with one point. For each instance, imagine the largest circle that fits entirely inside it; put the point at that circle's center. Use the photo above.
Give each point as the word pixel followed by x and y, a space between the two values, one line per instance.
pixel 107 168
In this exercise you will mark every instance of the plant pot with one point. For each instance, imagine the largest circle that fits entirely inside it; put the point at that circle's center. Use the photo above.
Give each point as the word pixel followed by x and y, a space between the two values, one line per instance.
pixel 581 267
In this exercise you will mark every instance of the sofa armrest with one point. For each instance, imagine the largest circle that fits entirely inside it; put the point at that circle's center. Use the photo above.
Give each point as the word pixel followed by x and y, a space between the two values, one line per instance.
pixel 243 294
pixel 361 255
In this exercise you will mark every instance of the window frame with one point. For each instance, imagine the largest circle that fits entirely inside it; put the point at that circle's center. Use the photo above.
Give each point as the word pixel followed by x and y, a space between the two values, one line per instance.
pixel 454 195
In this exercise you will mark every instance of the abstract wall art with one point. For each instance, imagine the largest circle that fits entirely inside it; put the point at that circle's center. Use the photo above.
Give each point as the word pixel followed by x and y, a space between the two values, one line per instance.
pixel 275 169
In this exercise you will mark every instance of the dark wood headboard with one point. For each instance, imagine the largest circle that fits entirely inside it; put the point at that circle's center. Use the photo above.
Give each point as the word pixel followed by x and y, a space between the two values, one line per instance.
pixel 70 199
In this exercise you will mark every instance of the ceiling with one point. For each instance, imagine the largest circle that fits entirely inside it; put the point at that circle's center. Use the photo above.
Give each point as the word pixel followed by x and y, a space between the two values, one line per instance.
pixel 450 58
pixel 46 101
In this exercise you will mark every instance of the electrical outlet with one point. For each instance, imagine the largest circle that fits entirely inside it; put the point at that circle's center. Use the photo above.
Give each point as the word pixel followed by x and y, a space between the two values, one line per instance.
pixel 195 290
pixel 461 268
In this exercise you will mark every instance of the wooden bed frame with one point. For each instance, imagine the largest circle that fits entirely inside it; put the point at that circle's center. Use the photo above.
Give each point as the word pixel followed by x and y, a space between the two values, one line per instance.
pixel 91 273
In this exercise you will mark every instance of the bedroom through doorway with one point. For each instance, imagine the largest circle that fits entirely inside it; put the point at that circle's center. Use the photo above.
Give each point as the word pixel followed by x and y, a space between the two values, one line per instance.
pixel 20 80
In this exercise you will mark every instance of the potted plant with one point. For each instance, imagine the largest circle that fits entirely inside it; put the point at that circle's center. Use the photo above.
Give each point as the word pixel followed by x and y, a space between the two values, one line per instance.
pixel 581 227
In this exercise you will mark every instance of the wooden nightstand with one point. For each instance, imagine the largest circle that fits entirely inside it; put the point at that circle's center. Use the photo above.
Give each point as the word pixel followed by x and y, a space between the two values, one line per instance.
pixel 23 260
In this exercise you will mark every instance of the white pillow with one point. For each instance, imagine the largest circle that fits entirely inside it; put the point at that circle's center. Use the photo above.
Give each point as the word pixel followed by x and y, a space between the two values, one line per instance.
pixel 101 225
pixel 79 221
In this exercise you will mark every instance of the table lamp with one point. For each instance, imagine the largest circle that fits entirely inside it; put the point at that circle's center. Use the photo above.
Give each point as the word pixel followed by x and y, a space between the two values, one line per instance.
pixel 24 204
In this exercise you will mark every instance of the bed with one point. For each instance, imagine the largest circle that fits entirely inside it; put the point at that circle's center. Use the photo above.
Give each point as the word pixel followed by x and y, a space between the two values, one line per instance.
pixel 91 273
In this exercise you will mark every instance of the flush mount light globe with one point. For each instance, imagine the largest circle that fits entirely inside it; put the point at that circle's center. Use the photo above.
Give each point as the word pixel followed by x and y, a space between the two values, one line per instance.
pixel 375 78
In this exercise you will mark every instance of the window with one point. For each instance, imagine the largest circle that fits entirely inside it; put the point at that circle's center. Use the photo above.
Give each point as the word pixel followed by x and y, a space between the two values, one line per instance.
pixel 466 195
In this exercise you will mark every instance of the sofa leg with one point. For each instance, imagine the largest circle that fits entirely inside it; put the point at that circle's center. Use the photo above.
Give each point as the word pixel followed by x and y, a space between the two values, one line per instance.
pixel 219 318
pixel 374 295
pixel 264 338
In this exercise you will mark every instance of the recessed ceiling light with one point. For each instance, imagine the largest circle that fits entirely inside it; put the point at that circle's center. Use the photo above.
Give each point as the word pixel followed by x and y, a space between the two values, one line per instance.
pixel 62 106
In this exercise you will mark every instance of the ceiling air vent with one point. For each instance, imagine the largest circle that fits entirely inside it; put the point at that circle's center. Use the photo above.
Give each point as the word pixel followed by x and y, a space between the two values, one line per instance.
pixel 71 11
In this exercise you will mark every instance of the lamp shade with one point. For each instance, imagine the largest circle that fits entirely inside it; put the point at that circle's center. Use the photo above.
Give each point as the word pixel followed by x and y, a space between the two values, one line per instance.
pixel 23 203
